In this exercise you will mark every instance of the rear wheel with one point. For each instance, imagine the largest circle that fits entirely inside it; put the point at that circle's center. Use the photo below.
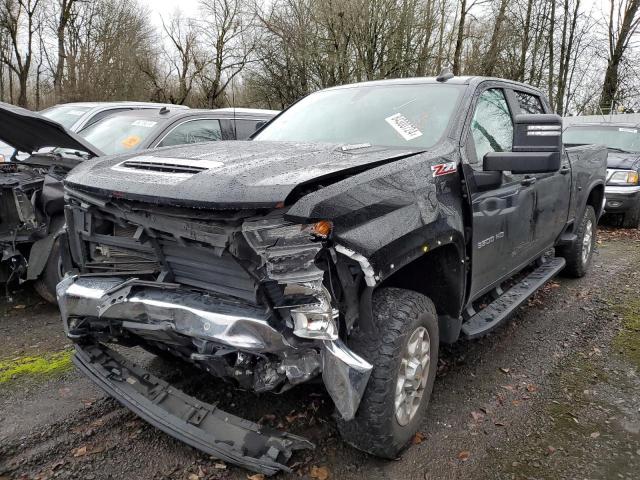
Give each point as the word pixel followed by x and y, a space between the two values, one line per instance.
pixel 46 284
pixel 578 255
pixel 404 354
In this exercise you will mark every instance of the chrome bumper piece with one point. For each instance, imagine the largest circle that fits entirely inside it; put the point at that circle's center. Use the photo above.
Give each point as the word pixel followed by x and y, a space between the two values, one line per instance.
pixel 143 306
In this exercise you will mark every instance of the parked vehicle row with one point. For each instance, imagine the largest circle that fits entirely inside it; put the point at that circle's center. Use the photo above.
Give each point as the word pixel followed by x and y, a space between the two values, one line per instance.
pixel 623 173
pixel 346 240
pixel 32 200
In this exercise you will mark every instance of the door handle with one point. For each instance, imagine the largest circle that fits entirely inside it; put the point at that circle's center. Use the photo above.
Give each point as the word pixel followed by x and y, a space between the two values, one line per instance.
pixel 528 181
pixel 564 170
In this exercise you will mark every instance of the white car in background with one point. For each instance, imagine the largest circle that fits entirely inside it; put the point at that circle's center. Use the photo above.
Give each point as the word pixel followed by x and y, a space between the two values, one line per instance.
pixel 78 115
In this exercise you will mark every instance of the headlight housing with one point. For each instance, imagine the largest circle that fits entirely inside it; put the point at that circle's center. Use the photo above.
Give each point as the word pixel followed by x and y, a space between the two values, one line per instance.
pixel 623 177
pixel 288 252
pixel 288 249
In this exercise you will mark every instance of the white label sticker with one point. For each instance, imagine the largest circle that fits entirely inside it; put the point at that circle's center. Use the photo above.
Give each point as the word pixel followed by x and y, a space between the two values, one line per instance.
pixel 403 126
pixel 76 113
pixel 628 130
pixel 143 123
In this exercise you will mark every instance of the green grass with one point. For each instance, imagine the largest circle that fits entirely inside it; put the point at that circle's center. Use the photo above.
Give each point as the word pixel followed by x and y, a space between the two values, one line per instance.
pixel 627 342
pixel 36 366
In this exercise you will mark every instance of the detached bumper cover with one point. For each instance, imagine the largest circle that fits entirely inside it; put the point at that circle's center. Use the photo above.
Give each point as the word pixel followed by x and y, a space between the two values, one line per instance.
pixel 196 423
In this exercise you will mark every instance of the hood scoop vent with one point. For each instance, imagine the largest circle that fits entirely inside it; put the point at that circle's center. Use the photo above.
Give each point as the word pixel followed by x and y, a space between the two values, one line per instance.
pixel 167 166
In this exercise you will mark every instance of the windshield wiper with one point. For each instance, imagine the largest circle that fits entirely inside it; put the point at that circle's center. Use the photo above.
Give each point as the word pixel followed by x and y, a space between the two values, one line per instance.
pixel 615 149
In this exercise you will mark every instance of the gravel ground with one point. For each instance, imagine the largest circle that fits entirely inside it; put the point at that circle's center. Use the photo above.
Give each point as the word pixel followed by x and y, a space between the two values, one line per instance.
pixel 552 394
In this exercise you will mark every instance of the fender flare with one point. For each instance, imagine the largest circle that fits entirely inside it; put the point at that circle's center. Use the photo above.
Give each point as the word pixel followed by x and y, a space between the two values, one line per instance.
pixel 41 249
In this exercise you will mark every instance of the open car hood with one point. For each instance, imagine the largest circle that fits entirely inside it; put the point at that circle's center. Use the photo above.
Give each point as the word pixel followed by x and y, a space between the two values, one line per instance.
pixel 28 132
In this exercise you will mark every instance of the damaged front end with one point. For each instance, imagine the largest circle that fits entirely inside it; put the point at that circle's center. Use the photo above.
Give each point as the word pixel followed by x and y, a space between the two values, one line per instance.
pixel 21 222
pixel 243 295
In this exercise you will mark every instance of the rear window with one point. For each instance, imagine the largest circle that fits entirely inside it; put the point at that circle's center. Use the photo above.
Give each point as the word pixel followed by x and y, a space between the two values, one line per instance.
pixel 617 138
pixel 119 134
pixel 529 103
pixel 246 128
pixel 65 115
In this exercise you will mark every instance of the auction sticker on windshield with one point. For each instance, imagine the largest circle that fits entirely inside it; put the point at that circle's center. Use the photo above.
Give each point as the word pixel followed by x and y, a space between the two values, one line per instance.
pixel 403 126
pixel 628 130
pixel 143 123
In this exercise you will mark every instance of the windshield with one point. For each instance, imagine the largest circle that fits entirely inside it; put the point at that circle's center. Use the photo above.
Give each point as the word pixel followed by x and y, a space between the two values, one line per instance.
pixel 118 134
pixel 388 115
pixel 625 139
pixel 65 115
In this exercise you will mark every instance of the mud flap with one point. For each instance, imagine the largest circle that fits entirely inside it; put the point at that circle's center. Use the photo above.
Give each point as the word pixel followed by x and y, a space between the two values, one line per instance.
pixel 196 423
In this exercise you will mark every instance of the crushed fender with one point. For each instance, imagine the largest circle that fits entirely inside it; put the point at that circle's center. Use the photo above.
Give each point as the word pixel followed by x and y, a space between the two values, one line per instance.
pixel 196 423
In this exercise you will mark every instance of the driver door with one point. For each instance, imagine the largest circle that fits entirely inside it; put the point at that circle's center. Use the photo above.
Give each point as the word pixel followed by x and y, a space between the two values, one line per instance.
pixel 503 221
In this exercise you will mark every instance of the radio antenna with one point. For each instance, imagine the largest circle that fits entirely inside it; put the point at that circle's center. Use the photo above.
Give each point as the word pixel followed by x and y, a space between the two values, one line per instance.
pixel 233 105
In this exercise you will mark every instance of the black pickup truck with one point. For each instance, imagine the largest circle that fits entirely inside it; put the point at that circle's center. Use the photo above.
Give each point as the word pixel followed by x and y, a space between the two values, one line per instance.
pixel 358 230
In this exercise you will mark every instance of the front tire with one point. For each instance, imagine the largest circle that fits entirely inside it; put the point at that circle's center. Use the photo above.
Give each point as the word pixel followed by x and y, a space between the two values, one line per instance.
pixel 579 255
pixel 404 354
pixel 631 218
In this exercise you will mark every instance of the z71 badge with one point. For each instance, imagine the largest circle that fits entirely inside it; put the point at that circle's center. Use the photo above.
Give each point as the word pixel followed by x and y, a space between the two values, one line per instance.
pixel 443 169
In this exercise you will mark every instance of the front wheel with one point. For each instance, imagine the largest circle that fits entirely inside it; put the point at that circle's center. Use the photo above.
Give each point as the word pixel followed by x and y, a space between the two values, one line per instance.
pixel 52 274
pixel 631 218
pixel 578 255
pixel 404 354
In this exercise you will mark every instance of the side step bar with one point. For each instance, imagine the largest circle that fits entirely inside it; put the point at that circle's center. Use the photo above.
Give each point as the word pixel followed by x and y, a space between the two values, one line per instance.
pixel 490 317
pixel 196 423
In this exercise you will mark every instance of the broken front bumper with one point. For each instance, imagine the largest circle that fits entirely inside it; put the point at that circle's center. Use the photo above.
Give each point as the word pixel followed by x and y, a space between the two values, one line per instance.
pixel 160 311
pixel 196 423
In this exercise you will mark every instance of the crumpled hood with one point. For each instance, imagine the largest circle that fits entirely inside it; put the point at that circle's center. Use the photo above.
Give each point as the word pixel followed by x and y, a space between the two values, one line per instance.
pixel 236 174
pixel 623 161
pixel 28 132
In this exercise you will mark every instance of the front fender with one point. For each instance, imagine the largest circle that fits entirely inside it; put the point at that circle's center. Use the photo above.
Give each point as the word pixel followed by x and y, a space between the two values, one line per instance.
pixel 41 249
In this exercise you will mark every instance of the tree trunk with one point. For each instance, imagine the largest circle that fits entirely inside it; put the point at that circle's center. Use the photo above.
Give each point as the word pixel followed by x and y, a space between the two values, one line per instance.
pixel 617 48
pixel 457 56
pixel 491 58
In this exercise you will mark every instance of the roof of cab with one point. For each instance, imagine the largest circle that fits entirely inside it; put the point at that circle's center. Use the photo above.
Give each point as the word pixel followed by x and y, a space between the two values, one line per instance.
pixel 123 103
pixel 171 113
pixel 462 80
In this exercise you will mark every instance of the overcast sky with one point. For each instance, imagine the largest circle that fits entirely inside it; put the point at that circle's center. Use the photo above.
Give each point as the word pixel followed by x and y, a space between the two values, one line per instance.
pixel 166 7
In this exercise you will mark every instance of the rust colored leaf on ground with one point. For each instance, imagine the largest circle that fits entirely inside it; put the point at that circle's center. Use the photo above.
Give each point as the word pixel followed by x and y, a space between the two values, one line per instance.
pixel 464 455
pixel 319 473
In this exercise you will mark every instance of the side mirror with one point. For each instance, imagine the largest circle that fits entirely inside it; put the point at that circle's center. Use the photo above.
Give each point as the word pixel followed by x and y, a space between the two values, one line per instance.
pixel 537 146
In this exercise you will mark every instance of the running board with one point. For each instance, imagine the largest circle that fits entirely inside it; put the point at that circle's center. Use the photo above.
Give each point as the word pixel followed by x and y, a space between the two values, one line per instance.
pixel 493 314
pixel 196 423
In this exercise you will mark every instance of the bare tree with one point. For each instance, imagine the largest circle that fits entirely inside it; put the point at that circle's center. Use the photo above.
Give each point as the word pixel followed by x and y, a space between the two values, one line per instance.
pixel 226 27
pixel 14 16
pixel 622 26
pixel 65 11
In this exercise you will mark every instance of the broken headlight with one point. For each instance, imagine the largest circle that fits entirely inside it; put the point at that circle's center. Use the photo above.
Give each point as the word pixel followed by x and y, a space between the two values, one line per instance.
pixel 287 249
pixel 288 252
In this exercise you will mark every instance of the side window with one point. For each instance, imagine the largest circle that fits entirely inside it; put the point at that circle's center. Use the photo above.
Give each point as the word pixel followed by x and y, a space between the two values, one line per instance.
pixel 104 114
pixel 246 128
pixel 492 126
pixel 529 103
pixel 194 131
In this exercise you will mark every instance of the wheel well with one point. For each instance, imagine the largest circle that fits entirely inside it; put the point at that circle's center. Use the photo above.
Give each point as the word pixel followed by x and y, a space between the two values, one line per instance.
pixel 444 265
pixel 595 199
